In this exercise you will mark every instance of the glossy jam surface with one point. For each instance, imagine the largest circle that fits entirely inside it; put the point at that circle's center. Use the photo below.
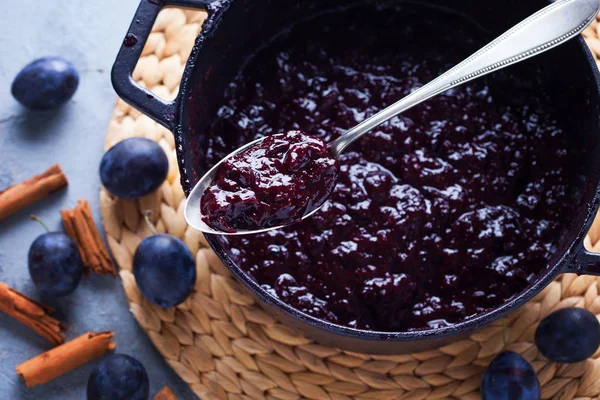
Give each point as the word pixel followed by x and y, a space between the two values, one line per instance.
pixel 273 182
pixel 442 213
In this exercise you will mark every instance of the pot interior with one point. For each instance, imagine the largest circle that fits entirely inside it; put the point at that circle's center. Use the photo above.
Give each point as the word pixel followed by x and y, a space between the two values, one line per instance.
pixel 566 73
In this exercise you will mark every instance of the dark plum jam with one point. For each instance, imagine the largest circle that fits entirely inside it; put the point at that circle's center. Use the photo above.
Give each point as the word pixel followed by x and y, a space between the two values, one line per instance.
pixel 442 213
pixel 274 182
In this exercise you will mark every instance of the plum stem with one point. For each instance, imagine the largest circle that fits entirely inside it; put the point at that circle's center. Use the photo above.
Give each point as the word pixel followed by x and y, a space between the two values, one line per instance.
pixel 38 219
pixel 147 214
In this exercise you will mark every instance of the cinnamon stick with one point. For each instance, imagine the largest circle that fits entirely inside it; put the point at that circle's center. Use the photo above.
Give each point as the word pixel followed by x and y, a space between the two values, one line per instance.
pixel 28 192
pixel 80 226
pixel 31 313
pixel 64 358
pixel 165 394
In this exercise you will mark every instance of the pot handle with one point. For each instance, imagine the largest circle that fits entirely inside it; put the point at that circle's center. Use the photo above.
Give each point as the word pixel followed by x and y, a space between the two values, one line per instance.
pixel 584 263
pixel 127 88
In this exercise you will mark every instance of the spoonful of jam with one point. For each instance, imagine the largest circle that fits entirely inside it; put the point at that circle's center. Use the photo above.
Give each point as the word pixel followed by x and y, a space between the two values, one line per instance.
pixel 281 179
pixel 277 180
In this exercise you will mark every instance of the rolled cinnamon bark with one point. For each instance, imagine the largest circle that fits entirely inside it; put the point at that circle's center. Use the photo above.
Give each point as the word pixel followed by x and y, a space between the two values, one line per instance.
pixel 28 192
pixel 80 226
pixel 31 313
pixel 66 357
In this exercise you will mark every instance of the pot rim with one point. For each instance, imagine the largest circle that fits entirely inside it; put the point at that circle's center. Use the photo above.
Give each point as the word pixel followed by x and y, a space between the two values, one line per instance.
pixel 216 9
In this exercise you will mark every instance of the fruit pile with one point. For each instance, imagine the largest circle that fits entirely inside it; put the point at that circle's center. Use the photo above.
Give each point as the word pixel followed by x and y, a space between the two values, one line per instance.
pixel 164 268
pixel 568 335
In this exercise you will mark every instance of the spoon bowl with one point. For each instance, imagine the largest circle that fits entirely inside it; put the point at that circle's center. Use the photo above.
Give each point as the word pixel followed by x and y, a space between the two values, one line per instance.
pixel 193 214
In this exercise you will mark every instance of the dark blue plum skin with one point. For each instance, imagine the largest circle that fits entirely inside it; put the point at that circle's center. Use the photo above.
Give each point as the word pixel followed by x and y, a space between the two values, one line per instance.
pixel 45 83
pixel 164 269
pixel 55 264
pixel 568 335
pixel 134 168
pixel 510 377
pixel 118 377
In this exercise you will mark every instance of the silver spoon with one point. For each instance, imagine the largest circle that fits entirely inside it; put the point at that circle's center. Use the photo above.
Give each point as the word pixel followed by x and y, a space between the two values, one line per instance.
pixel 548 28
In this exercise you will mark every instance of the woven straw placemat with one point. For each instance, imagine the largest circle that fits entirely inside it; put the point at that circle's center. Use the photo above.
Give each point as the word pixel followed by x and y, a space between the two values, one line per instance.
pixel 226 347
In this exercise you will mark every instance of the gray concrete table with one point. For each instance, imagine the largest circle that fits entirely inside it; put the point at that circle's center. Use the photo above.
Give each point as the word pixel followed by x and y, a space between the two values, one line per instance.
pixel 89 34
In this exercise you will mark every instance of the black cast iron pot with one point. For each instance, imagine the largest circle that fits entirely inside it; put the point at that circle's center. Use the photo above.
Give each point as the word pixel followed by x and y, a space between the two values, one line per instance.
pixel 236 28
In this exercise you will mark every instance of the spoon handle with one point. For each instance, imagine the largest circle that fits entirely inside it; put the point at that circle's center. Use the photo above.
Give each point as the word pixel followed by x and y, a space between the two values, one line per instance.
pixel 542 31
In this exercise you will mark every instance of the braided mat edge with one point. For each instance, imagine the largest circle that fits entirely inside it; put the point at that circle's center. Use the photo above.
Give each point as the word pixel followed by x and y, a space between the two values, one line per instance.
pixel 226 347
